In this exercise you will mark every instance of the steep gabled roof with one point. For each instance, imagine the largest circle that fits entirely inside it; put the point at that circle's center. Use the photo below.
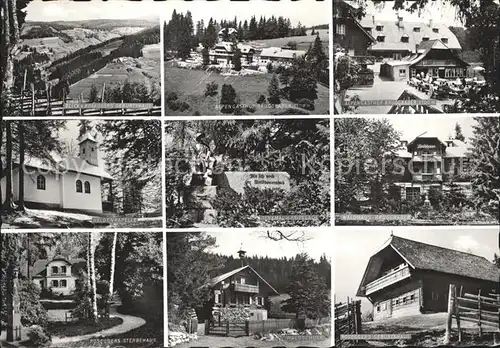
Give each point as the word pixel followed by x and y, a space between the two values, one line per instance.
pixel 394 31
pixel 87 136
pixel 224 276
pixel 40 266
pixel 427 257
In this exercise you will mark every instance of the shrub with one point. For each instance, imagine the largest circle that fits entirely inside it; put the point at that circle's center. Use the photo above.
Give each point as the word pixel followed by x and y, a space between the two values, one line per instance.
pixel 171 96
pixel 38 337
pixel 269 67
pixel 228 99
pixel 183 106
pixel 32 311
pixel 306 104
pixel 262 99
pixel 211 89
pixel 197 113
pixel 250 109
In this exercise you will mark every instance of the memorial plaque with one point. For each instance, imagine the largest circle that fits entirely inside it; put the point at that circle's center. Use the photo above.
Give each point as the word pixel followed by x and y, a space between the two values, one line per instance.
pixel 261 180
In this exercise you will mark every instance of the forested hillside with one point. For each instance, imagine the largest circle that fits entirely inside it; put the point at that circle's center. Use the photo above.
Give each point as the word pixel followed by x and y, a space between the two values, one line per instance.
pixel 276 272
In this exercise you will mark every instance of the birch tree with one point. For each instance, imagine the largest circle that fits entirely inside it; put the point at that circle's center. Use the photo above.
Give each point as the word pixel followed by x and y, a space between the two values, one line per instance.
pixel 113 264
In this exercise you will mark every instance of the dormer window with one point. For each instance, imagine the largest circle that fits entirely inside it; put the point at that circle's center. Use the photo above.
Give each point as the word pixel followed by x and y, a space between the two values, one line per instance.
pixel 405 38
pixel 381 38
pixel 425 38
pixel 379 27
pixel 416 29
pixel 444 40
pixel 435 30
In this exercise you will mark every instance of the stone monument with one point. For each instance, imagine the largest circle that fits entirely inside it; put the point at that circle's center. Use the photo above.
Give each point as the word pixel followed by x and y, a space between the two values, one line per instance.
pixel 202 190
pixel 13 305
pixel 237 181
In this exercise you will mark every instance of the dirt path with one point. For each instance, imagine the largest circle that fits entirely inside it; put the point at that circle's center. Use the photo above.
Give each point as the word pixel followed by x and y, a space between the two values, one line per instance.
pixel 129 323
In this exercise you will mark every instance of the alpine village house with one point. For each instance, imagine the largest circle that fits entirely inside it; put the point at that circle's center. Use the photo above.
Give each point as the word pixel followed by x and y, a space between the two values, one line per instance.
pixel 69 184
pixel 432 163
pixel 240 287
pixel 59 275
pixel 406 277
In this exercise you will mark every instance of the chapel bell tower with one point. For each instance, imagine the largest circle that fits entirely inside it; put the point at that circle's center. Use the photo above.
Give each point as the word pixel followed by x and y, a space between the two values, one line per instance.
pixel 89 149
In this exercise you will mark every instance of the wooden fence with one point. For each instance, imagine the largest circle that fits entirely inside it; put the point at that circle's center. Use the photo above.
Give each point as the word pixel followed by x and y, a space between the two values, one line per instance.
pixel 347 318
pixel 257 326
pixel 31 103
pixel 483 310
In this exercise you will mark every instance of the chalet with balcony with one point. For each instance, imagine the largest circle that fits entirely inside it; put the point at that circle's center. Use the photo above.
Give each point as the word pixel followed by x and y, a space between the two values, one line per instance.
pixel 242 287
pixel 60 275
pixel 432 163
pixel 348 33
pixel 406 277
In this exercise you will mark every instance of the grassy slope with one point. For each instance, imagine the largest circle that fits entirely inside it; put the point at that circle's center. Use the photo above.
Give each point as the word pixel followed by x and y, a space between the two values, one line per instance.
pixel 142 70
pixel 303 42
pixel 189 85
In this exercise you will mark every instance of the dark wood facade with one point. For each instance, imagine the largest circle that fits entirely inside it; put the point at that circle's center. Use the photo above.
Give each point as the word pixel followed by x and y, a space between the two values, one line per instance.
pixel 397 287
pixel 243 288
pixel 348 32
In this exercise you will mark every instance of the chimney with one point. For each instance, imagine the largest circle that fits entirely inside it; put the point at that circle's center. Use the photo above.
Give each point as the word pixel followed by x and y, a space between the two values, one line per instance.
pixel 242 254
pixel 373 19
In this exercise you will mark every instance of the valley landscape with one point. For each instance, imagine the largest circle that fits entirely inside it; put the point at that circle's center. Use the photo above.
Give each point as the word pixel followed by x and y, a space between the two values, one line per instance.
pixel 112 61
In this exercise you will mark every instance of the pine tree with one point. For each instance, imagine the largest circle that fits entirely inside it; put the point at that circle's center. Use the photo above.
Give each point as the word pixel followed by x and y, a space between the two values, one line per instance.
pixel 274 91
pixel 237 59
pixel 228 99
pixel 458 132
pixel 93 95
pixel 206 56
pixel 308 292
pixel 316 57
pixel 303 84
pixel 486 159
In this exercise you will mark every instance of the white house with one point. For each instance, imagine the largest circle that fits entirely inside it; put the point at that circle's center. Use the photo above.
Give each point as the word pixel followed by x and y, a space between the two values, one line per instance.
pixel 279 56
pixel 72 184
pixel 59 274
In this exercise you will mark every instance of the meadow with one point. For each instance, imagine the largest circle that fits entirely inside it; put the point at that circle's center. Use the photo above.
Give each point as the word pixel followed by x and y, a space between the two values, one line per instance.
pixel 189 85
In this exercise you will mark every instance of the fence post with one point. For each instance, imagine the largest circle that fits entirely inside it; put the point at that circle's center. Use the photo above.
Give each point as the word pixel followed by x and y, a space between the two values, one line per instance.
pixel 247 327
pixel 479 308
pixel 450 314
pixel 227 328
pixel 357 317
pixel 263 326
pixel 457 313
pixel 207 327
pixel 32 99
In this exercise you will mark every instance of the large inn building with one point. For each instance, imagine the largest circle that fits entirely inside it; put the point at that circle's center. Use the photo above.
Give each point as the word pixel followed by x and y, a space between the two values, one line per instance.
pixel 406 48
pixel 223 52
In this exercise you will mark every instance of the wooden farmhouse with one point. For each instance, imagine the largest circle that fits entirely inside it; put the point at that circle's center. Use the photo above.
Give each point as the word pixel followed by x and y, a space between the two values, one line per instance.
pixel 242 287
pixel 406 277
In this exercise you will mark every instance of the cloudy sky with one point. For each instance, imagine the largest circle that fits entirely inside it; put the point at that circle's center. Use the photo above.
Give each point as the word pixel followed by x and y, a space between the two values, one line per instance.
pixel 353 248
pixel 63 10
pixel 256 243
pixel 315 13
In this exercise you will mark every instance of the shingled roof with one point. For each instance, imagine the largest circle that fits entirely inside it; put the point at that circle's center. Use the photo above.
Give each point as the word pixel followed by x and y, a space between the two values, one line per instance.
pixel 427 257
pixel 393 31
pixel 224 276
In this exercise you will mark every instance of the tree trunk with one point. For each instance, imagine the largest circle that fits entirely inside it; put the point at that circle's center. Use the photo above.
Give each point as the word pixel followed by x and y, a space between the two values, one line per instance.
pixel 88 315
pixel 95 315
pixel 10 50
pixel 21 165
pixel 113 263
pixel 9 195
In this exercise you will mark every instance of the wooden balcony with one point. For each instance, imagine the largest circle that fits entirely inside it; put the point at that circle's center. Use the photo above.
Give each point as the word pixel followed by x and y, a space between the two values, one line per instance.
pixel 252 289
pixel 388 279
pixel 427 177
